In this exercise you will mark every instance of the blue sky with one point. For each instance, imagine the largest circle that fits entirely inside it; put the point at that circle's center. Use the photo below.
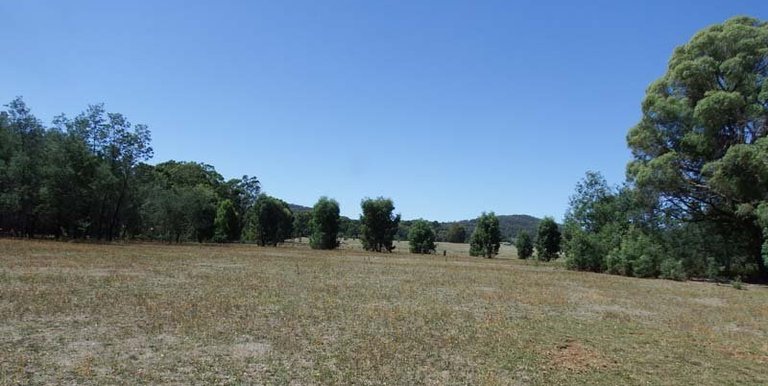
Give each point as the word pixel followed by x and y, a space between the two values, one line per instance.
pixel 449 108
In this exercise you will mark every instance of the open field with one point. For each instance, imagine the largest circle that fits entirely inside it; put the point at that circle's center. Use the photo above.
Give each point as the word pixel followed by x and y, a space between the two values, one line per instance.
pixel 189 314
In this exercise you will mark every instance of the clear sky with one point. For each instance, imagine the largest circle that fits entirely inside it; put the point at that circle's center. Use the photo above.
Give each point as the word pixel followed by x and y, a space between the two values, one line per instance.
pixel 449 108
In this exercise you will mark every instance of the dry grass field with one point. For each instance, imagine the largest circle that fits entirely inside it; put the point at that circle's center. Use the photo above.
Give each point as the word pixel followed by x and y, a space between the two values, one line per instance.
pixel 237 314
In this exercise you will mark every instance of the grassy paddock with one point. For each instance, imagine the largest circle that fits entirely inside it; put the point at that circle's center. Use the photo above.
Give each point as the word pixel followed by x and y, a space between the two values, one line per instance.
pixel 158 314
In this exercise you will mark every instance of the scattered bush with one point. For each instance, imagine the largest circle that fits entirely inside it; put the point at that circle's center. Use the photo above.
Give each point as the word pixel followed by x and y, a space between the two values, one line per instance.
pixel 378 224
pixel 548 239
pixel 524 245
pixel 324 224
pixel 486 239
pixel 421 237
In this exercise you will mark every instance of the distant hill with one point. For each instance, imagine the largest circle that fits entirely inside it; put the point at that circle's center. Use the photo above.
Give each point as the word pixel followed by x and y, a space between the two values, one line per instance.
pixel 295 208
pixel 510 225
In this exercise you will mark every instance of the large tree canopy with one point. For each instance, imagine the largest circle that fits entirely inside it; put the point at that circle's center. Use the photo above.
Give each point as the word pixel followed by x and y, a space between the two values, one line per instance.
pixel 698 146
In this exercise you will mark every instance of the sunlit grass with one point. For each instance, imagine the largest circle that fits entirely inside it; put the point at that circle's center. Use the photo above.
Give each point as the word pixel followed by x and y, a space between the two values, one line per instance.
pixel 127 314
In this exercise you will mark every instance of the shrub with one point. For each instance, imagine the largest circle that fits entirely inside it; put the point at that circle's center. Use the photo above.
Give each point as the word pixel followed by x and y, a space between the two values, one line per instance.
pixel 324 224
pixel 584 252
pixel 640 255
pixel 548 239
pixel 524 245
pixel 226 223
pixel 269 222
pixel 486 239
pixel 673 270
pixel 378 224
pixel 421 237
pixel 615 263
pixel 456 234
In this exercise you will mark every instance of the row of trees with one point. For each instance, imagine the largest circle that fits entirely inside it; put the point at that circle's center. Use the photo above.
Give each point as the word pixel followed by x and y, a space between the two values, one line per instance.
pixel 486 239
pixel 87 177
pixel 695 202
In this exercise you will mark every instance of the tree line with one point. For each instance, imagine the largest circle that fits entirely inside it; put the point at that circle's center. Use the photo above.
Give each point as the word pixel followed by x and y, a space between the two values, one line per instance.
pixel 695 202
pixel 87 177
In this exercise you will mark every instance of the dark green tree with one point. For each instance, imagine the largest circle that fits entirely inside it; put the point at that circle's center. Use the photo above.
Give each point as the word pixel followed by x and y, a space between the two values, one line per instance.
pixel 270 221
pixel 23 174
pixel 548 239
pixel 486 239
pixel 456 234
pixel 378 224
pixel 227 223
pixel 702 123
pixel 165 214
pixel 421 237
pixel 595 222
pixel 524 245
pixel 325 224
pixel 302 224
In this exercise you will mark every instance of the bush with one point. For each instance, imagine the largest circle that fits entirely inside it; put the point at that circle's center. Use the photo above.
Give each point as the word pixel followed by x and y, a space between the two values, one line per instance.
pixel 324 224
pixel 269 222
pixel 646 266
pixel 226 223
pixel 456 234
pixel 548 239
pixel 616 265
pixel 673 270
pixel 584 252
pixel 486 239
pixel 421 237
pixel 640 255
pixel 524 245
pixel 378 224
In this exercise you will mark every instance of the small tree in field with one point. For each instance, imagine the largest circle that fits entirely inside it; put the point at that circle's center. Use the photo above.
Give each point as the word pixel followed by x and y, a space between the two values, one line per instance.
pixel 524 245
pixel 324 224
pixel 486 239
pixel 548 240
pixel 421 237
pixel 378 225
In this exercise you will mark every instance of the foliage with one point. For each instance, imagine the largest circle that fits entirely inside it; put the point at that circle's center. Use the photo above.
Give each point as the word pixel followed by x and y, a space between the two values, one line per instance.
pixel 325 224
pixel 349 228
pixel 227 222
pixel 700 145
pixel 421 237
pixel 548 240
pixel 672 269
pixel 596 220
pixel 270 221
pixel 456 234
pixel 378 224
pixel 486 239
pixel 524 245
pixel 302 224
pixel 85 177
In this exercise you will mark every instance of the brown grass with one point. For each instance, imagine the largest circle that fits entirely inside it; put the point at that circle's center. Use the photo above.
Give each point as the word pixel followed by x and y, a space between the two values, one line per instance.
pixel 238 314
